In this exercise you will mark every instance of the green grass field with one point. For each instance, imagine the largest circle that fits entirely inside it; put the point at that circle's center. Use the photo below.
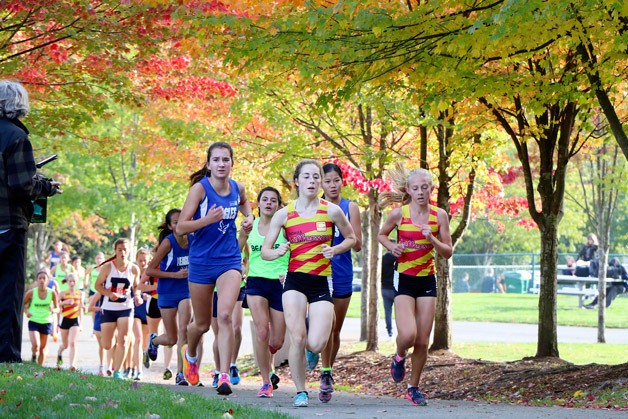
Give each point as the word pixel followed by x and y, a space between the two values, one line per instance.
pixel 577 353
pixel 523 308
pixel 520 308
pixel 30 391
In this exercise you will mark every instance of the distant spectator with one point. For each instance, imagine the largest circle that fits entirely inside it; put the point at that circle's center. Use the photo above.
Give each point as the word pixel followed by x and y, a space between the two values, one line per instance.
pixel 389 265
pixel 613 290
pixel 501 283
pixel 462 285
pixel 571 266
pixel 488 283
pixel 589 250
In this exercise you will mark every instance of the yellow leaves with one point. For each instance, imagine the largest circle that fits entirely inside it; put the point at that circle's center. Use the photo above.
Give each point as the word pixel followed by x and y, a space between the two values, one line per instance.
pixel 578 394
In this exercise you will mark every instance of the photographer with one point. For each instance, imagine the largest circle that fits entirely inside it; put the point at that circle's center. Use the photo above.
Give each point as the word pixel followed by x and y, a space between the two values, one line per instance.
pixel 19 184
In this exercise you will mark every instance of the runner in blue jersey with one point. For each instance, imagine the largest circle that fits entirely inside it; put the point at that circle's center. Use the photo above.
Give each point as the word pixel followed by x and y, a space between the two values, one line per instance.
pixel 170 265
pixel 210 211
pixel 342 275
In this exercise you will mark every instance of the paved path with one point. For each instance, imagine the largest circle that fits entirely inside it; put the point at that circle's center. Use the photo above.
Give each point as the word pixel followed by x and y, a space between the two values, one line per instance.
pixel 351 405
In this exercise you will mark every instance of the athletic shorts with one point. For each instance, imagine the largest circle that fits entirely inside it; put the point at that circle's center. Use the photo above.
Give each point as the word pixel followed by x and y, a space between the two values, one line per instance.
pixel 153 309
pixel 415 286
pixel 208 275
pixel 270 289
pixel 314 287
pixel 97 321
pixel 241 297
pixel 166 301
pixel 42 328
pixel 112 316
pixel 91 292
pixel 343 287
pixel 140 312
pixel 66 323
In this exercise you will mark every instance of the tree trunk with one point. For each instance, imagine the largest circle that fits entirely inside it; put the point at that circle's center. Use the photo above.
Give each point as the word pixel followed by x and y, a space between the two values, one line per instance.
pixel 442 318
pixel 374 272
pixel 601 285
pixel 41 243
pixel 365 269
pixel 547 345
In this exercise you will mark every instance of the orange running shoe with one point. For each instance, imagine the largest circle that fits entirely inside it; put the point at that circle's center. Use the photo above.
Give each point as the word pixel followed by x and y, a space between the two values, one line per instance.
pixel 190 369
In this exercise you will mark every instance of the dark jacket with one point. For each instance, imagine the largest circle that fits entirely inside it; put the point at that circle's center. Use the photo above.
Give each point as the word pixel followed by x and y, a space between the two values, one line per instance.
pixel 588 252
pixel 18 183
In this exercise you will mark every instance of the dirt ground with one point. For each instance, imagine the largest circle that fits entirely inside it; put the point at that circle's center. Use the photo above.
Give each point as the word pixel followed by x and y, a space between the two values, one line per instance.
pixel 446 376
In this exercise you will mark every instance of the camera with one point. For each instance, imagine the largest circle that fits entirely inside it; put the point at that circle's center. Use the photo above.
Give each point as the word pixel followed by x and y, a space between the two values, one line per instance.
pixel 40 205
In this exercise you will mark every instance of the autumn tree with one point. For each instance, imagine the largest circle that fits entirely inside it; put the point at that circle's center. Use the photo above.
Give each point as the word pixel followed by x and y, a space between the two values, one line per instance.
pixel 601 176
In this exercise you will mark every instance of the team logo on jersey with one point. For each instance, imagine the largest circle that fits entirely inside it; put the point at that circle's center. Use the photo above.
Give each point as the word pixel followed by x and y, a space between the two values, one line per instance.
pixel 223 227
pixel 321 226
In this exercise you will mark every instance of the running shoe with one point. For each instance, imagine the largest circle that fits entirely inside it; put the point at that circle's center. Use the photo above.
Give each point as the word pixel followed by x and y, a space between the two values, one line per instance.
pixel 59 360
pixel 146 360
pixel 274 380
pixel 34 358
pixel 118 375
pixel 101 370
pixel 190 369
pixel 180 380
pixel 398 369
pixel 266 390
pixel 167 374
pixel 152 348
pixel 137 376
pixel 312 360
pixel 224 385
pixel 127 373
pixel 234 375
pixel 109 372
pixel 216 377
pixel 200 384
pixel 326 387
pixel 416 397
pixel 301 399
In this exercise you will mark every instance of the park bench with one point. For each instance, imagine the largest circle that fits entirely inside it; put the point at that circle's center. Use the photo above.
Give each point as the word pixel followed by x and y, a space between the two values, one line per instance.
pixel 581 286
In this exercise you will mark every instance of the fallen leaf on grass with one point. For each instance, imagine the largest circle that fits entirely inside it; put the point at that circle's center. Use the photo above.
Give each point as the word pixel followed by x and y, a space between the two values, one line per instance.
pixel 91 398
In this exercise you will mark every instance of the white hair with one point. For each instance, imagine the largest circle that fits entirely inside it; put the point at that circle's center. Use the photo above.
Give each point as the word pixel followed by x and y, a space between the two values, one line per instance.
pixel 13 99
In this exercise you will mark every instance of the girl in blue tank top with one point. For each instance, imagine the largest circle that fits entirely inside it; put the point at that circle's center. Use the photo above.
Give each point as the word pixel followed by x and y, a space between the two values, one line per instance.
pixel 341 273
pixel 170 265
pixel 209 212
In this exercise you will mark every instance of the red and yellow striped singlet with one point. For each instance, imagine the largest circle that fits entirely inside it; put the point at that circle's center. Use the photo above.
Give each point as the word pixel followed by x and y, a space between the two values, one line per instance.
pixel 306 235
pixel 417 258
pixel 71 311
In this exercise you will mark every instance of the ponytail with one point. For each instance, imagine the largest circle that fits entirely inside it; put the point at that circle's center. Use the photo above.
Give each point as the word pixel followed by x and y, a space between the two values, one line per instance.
pixel 198 175
pixel 398 176
pixel 164 228
pixel 107 260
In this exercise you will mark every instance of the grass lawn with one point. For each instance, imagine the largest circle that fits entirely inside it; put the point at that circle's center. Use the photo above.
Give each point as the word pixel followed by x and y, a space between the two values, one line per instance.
pixel 520 308
pixel 577 353
pixel 30 391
